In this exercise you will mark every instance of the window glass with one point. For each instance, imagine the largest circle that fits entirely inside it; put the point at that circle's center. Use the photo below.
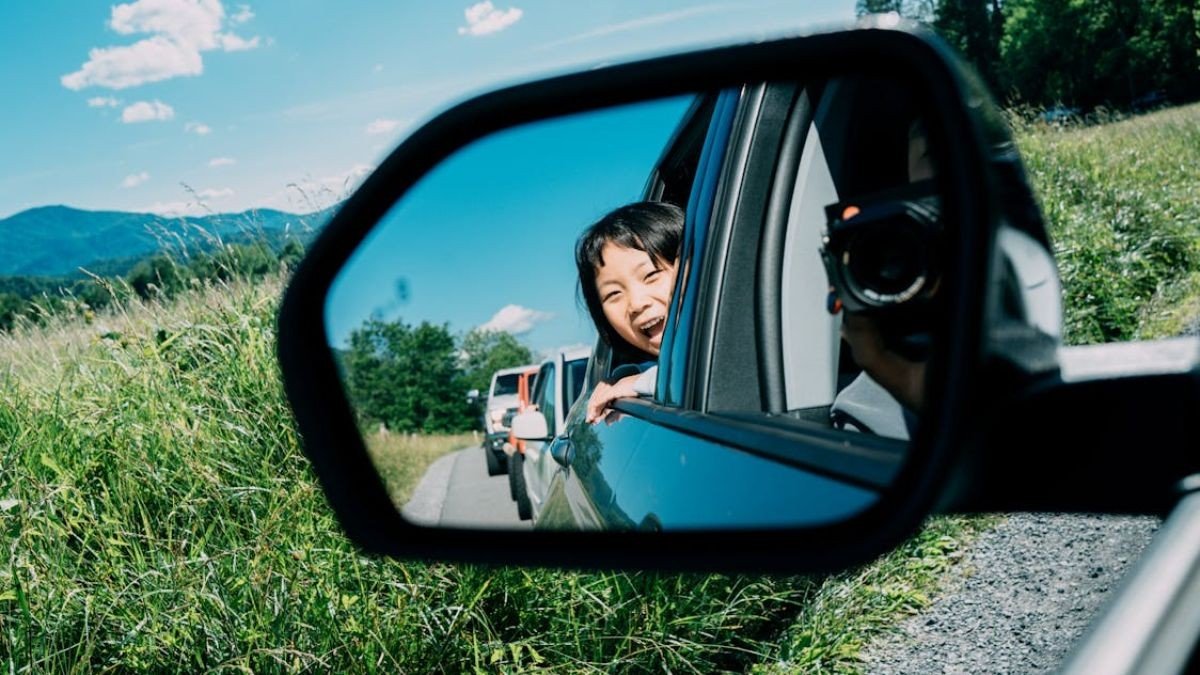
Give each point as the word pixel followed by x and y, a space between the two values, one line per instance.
pixel 545 401
pixel 810 334
pixel 506 384
pixel 575 376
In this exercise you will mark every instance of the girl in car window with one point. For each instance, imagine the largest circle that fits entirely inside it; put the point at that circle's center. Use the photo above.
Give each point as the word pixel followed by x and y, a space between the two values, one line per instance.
pixel 627 263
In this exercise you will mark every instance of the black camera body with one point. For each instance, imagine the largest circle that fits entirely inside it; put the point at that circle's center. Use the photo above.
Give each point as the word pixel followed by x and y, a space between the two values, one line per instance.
pixel 882 255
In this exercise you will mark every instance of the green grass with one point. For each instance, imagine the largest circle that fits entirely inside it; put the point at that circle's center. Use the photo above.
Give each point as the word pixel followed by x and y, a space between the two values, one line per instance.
pixel 158 515
pixel 1122 203
pixel 402 459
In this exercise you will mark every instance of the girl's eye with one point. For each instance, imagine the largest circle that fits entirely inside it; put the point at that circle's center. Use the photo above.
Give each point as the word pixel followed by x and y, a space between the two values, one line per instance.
pixel 651 276
pixel 609 296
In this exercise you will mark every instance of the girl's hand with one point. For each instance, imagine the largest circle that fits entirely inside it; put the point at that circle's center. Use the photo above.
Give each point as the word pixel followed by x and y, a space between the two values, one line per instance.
pixel 605 393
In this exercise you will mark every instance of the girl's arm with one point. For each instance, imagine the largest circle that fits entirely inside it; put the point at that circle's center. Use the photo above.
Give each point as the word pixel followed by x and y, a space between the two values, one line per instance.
pixel 630 386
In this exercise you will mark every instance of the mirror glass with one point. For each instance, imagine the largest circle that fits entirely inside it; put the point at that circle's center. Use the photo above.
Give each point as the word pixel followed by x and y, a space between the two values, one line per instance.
pixel 519 335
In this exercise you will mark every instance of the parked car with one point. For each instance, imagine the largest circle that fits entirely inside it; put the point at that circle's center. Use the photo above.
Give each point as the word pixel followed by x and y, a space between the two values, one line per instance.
pixel 1151 100
pixel 734 464
pixel 515 446
pixel 560 380
pixel 1059 114
pixel 502 400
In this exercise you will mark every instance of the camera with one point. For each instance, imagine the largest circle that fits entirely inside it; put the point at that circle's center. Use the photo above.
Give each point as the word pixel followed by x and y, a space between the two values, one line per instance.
pixel 881 251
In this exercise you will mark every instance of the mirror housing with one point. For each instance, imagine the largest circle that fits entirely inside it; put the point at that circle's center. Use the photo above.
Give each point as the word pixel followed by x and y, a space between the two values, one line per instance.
pixel 961 123
pixel 530 426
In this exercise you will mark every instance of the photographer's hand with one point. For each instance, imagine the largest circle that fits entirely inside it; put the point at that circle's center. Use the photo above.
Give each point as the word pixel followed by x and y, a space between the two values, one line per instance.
pixel 904 379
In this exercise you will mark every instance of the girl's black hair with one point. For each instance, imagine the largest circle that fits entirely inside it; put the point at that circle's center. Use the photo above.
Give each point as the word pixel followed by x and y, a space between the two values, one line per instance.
pixel 653 227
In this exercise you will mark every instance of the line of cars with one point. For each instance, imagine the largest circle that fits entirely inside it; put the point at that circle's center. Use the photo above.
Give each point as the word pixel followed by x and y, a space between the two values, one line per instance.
pixel 534 398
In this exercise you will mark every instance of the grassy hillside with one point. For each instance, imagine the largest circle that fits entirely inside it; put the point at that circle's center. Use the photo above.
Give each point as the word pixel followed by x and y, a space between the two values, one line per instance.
pixel 1122 202
pixel 157 513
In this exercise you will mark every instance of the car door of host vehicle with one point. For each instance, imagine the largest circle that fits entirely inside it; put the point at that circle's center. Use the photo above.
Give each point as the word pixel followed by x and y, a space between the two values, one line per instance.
pixel 634 469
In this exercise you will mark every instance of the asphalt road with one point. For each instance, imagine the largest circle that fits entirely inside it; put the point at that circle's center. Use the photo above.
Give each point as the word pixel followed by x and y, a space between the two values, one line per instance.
pixel 456 491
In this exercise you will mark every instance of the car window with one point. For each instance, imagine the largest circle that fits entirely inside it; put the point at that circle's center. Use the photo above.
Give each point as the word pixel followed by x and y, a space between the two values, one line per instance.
pixel 576 373
pixel 545 399
pixel 506 384
pixel 810 337
pixel 864 152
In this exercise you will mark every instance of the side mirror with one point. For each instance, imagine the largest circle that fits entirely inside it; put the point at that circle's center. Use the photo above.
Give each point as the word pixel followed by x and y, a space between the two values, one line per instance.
pixel 473 396
pixel 530 426
pixel 861 282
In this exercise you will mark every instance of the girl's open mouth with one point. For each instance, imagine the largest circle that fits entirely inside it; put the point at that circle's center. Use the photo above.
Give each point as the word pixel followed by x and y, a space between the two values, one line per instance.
pixel 653 329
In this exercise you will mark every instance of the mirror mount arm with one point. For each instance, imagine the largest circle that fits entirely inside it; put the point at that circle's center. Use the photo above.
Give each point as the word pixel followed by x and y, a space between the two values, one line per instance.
pixel 1097 435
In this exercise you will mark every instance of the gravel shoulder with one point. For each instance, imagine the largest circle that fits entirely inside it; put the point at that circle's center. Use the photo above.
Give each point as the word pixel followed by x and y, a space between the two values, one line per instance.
pixel 1022 597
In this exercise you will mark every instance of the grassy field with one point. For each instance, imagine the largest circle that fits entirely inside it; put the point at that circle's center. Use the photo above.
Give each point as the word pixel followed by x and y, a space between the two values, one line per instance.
pixel 403 458
pixel 158 515
pixel 1123 206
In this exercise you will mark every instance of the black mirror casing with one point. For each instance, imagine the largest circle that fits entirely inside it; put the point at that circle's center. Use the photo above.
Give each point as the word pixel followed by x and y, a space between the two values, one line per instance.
pixel 958 113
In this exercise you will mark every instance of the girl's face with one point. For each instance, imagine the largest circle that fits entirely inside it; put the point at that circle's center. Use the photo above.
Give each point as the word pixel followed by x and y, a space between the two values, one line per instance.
pixel 635 293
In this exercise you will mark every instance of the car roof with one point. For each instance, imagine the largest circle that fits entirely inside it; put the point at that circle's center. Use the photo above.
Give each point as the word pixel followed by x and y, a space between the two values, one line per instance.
pixel 576 353
pixel 515 369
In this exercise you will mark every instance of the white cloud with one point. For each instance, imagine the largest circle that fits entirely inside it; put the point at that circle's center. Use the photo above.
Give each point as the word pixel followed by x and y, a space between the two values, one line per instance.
pixel 544 354
pixel 214 193
pixel 149 60
pixel 146 111
pixel 134 180
pixel 382 126
pixel 243 14
pixel 233 43
pixel 197 206
pixel 221 161
pixel 313 194
pixel 516 319
pixel 483 18
pixel 198 128
pixel 103 102
pixel 179 31
pixel 174 209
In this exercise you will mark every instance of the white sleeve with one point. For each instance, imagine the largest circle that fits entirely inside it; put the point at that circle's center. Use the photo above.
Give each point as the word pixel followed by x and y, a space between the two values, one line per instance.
pixel 644 384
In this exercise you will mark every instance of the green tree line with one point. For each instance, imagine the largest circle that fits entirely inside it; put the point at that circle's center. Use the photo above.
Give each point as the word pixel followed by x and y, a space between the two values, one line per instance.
pixel 416 378
pixel 162 275
pixel 1083 53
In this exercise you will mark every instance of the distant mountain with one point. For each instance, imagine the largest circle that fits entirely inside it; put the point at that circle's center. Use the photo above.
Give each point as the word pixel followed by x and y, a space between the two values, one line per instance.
pixel 58 240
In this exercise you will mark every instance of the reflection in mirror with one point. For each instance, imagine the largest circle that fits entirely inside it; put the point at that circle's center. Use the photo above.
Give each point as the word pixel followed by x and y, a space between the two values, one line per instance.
pixel 515 334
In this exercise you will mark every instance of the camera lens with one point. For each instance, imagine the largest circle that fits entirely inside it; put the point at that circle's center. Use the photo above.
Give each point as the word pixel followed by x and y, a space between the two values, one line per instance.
pixel 887 263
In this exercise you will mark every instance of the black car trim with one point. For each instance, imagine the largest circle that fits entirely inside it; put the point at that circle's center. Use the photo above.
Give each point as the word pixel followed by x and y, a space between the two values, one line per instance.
pixel 769 298
pixel 727 354
pixel 707 279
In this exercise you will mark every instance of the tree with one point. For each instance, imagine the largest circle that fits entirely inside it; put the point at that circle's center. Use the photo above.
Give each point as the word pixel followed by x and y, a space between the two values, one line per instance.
pixel 157 275
pixel 917 10
pixel 975 28
pixel 406 377
pixel 1100 51
pixel 485 352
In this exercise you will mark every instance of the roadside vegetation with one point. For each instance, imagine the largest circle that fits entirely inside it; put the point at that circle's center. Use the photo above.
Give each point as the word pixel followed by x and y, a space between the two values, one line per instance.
pixel 157 513
pixel 402 459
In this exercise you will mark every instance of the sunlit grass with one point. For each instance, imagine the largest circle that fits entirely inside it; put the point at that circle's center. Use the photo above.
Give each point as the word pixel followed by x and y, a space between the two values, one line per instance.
pixel 1122 202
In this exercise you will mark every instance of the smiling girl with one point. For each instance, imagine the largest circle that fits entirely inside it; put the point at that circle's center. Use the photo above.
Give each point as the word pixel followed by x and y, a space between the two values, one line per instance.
pixel 627 262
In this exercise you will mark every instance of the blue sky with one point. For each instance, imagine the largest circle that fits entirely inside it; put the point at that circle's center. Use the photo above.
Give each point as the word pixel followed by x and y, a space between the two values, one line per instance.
pixel 120 106
pixel 487 238
pixel 195 106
